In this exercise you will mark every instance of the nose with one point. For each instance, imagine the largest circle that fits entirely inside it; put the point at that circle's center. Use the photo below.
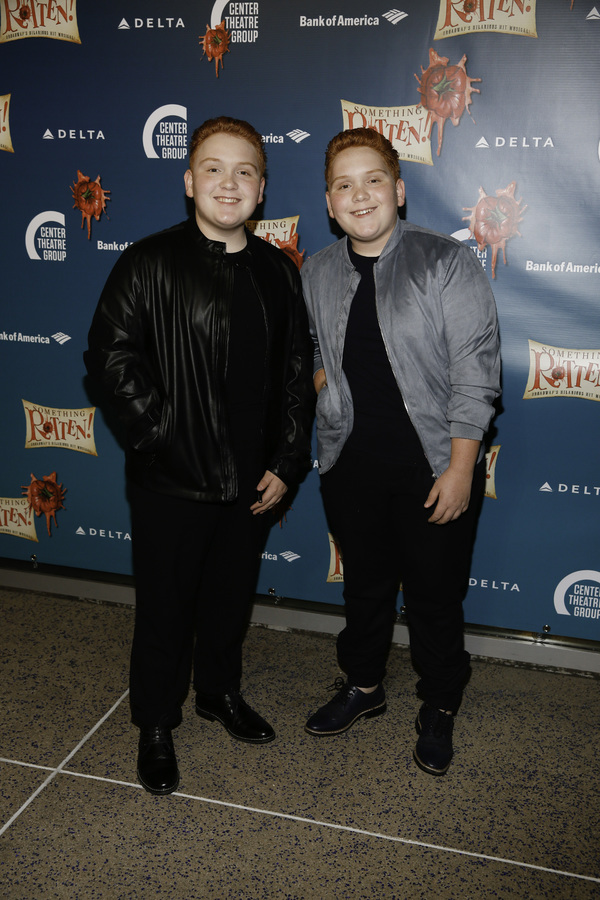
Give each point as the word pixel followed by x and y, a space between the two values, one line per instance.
pixel 360 192
pixel 228 180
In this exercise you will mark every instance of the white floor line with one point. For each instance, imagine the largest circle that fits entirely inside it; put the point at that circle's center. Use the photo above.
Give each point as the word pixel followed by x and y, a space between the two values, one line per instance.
pixel 305 821
pixel 60 767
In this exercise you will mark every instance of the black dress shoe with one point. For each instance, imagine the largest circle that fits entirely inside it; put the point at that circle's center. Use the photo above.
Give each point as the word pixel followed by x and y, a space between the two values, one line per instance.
pixel 157 764
pixel 433 752
pixel 232 711
pixel 348 705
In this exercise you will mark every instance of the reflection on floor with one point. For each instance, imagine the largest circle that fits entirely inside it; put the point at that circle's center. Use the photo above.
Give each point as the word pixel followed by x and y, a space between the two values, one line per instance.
pixel 517 815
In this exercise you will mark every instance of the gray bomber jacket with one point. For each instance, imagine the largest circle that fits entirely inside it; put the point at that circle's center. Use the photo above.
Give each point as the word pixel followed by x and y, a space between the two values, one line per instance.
pixel 438 321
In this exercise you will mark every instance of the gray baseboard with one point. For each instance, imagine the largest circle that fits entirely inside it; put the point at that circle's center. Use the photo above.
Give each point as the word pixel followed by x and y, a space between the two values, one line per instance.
pixel 540 650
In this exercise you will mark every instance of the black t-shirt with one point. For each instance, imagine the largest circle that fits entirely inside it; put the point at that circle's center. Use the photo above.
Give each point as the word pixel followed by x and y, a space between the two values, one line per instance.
pixel 382 427
pixel 246 359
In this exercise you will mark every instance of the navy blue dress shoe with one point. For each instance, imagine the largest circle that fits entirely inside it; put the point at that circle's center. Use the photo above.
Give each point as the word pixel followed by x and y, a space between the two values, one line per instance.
pixel 348 705
pixel 433 752
pixel 157 764
pixel 232 711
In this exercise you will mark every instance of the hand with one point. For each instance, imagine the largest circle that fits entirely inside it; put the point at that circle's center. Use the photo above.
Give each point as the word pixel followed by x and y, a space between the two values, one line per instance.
pixel 319 380
pixel 452 491
pixel 273 489
pixel 450 495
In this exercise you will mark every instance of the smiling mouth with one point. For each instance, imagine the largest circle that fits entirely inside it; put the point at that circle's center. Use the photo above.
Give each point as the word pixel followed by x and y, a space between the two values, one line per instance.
pixel 227 199
pixel 363 212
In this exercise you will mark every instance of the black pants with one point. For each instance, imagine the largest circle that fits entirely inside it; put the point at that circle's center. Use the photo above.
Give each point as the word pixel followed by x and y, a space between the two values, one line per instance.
pixel 377 517
pixel 196 567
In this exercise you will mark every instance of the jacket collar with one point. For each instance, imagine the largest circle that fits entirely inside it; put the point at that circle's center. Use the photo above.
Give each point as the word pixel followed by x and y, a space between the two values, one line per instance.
pixel 393 241
pixel 217 247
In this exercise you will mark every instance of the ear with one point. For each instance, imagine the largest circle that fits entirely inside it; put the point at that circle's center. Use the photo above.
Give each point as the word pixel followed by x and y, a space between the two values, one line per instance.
pixel 329 207
pixel 188 180
pixel 261 191
pixel 400 192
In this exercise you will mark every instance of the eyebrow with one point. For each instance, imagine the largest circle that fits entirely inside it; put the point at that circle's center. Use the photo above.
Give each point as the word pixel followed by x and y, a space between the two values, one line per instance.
pixel 369 172
pixel 248 165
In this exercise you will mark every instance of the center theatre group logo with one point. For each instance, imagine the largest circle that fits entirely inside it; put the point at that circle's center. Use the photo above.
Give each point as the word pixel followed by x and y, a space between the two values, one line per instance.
pixel 446 92
pixel 38 18
pixel 578 594
pixel 168 137
pixel 560 372
pixel 230 23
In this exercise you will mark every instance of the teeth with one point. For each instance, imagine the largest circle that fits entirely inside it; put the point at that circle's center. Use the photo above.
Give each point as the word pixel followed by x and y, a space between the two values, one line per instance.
pixel 362 212
pixel 227 199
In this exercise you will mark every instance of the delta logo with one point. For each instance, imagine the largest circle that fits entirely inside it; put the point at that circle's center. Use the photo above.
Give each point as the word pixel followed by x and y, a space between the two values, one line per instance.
pixel 230 23
pixel 562 372
pixel 5 140
pixel 446 93
pixel 39 18
pixel 514 17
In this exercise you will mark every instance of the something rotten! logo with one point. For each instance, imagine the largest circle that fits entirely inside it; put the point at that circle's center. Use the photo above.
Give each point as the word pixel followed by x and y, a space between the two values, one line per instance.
pixel 39 18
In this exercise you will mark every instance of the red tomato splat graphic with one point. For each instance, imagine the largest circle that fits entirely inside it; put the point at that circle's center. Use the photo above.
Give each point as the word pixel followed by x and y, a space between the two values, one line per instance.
pixel 90 198
pixel 445 92
pixel 45 496
pixel 215 44
pixel 290 247
pixel 494 220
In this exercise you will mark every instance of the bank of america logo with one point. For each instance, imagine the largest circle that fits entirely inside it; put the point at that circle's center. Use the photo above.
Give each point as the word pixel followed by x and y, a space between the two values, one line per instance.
pixel 394 16
pixel 61 338
pixel 298 135
pixel 290 556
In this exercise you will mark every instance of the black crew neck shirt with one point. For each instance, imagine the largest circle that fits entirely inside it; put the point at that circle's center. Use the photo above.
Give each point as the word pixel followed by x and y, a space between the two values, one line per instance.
pixel 382 427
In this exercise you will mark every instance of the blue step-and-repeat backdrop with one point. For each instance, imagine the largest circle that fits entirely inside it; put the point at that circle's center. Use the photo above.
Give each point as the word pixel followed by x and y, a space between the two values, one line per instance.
pixel 493 107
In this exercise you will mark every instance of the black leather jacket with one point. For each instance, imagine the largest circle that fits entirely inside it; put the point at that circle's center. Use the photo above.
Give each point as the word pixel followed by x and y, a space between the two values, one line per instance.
pixel 158 344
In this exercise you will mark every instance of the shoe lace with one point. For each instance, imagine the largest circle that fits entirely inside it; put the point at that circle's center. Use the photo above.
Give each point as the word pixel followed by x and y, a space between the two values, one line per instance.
pixel 438 725
pixel 343 689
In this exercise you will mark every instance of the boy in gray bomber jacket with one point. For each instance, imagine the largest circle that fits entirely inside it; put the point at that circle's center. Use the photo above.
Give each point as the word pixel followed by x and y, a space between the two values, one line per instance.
pixel 406 369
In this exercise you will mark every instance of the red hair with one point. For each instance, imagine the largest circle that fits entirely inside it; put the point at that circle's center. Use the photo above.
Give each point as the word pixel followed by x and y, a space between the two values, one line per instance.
pixel 237 128
pixel 362 137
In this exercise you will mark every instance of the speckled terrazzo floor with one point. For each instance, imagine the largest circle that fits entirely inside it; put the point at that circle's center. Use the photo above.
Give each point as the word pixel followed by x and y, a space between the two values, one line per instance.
pixel 517 816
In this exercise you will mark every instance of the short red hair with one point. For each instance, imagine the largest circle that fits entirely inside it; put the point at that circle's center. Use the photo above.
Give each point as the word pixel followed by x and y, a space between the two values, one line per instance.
pixel 362 137
pixel 237 128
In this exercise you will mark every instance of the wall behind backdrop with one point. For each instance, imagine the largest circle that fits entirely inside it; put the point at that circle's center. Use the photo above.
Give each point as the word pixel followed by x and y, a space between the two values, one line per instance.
pixel 493 107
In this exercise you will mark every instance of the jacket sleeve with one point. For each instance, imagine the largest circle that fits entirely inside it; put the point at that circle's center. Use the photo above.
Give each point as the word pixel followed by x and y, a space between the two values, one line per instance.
pixel 317 356
pixel 292 459
pixel 117 358
pixel 471 329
